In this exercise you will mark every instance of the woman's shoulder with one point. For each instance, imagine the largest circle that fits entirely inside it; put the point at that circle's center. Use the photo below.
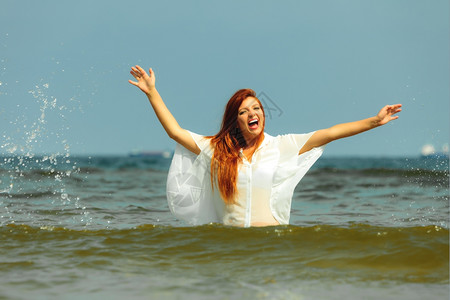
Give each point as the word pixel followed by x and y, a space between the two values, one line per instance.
pixel 285 136
pixel 203 142
pixel 289 140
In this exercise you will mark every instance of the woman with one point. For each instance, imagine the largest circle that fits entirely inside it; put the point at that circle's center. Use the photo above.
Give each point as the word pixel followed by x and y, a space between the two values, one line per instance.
pixel 241 176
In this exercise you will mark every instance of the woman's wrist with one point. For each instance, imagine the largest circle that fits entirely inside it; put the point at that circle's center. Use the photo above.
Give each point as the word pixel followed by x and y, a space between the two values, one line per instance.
pixel 375 121
pixel 151 90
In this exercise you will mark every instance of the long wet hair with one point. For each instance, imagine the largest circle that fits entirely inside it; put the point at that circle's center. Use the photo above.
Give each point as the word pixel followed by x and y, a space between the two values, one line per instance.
pixel 227 144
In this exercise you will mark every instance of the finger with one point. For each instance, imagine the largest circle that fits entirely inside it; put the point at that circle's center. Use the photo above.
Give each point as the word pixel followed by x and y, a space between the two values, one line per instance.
pixel 135 75
pixel 142 71
pixel 136 71
pixel 396 106
pixel 396 109
pixel 133 83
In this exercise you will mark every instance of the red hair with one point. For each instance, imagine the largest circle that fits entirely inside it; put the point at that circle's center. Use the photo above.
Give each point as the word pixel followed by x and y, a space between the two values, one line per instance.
pixel 227 144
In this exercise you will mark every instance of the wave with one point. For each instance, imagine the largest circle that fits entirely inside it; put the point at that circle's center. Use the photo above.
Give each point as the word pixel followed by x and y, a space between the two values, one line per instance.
pixel 406 254
pixel 412 174
pixel 126 162
pixel 384 172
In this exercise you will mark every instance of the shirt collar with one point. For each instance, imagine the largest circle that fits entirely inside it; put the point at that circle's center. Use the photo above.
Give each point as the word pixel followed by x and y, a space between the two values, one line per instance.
pixel 266 140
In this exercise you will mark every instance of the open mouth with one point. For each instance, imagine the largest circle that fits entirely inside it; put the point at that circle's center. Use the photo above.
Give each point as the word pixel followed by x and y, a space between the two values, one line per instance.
pixel 253 124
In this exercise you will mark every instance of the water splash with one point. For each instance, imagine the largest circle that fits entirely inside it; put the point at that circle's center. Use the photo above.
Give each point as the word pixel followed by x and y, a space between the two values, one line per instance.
pixel 22 159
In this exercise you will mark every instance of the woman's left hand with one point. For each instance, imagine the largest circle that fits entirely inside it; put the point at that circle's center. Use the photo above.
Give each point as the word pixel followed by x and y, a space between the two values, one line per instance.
pixel 146 82
pixel 339 131
pixel 387 113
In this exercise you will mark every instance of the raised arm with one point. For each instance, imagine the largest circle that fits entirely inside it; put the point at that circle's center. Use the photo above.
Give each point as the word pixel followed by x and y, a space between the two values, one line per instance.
pixel 146 82
pixel 324 136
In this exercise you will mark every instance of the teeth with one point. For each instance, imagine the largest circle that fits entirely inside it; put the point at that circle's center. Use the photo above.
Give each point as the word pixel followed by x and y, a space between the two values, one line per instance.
pixel 252 122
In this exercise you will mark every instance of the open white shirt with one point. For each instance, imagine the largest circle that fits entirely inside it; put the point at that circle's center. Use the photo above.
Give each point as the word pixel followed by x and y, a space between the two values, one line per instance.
pixel 265 185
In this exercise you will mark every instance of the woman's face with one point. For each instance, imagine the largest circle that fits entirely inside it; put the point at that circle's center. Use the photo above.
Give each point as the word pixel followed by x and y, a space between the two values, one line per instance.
pixel 250 119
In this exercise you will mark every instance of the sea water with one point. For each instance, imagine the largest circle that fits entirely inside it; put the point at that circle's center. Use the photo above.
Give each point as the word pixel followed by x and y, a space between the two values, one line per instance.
pixel 99 227
pixel 96 227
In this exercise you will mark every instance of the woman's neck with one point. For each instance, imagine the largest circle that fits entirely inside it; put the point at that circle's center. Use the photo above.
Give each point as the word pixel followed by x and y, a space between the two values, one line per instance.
pixel 253 143
pixel 250 148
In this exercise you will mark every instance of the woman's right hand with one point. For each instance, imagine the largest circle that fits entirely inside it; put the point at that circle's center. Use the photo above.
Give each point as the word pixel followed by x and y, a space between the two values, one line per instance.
pixel 144 81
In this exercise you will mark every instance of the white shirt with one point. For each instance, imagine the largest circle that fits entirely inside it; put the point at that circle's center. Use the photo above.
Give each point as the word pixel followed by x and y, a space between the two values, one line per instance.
pixel 265 185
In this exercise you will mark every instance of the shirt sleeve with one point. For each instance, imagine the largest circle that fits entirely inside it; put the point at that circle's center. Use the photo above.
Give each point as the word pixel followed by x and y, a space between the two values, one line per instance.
pixel 290 170
pixel 289 145
pixel 189 192
pixel 202 142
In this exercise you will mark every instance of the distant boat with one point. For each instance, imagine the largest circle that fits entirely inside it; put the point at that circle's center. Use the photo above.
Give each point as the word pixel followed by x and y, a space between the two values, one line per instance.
pixel 151 154
pixel 428 150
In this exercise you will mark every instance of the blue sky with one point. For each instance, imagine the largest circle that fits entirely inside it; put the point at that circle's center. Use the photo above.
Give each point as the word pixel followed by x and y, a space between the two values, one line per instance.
pixel 64 67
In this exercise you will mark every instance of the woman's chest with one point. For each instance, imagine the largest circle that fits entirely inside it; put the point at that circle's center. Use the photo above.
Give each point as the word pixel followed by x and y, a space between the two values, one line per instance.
pixel 260 170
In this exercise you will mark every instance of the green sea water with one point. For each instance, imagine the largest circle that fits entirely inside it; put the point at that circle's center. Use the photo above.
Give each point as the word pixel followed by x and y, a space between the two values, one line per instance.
pixel 100 228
